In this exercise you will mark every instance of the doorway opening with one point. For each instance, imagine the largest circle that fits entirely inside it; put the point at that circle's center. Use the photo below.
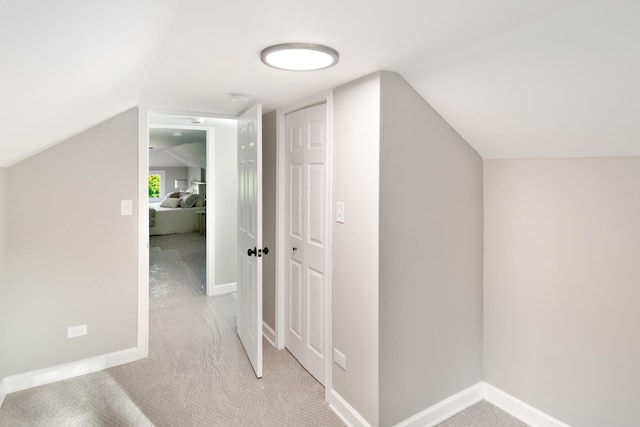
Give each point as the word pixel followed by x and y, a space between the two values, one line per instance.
pixel 197 155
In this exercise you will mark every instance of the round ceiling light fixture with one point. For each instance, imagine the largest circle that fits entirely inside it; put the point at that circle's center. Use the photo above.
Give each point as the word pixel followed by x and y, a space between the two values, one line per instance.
pixel 299 56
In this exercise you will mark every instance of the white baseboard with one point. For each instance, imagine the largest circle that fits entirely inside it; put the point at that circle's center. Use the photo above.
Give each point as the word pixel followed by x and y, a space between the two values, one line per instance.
pixel 346 412
pixel 52 374
pixel 269 333
pixel 481 391
pixel 445 408
pixel 226 288
pixel 524 412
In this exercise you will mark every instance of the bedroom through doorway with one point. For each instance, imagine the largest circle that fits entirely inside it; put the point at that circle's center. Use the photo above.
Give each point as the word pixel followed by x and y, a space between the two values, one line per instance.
pixel 192 198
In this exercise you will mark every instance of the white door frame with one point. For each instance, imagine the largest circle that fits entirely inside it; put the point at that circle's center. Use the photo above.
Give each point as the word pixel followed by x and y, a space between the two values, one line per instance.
pixel 143 216
pixel 143 233
pixel 281 209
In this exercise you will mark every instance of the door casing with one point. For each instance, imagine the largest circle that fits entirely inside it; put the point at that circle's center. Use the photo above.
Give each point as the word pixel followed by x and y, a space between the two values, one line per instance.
pixel 281 255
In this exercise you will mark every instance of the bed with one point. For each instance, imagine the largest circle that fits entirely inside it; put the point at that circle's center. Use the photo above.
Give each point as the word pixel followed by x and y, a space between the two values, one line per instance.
pixel 177 213
pixel 172 220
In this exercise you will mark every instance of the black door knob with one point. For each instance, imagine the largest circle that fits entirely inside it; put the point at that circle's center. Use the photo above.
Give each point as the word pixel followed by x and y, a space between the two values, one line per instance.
pixel 265 250
pixel 252 252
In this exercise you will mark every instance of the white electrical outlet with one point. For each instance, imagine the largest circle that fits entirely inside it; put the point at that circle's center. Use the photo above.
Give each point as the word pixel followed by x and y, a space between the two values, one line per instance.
pixel 76 331
pixel 339 359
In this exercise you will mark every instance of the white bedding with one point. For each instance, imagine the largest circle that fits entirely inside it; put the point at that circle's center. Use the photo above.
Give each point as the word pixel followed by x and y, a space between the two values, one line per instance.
pixel 173 220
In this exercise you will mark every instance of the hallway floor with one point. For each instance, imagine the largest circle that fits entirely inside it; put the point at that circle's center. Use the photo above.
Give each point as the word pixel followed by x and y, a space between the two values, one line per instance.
pixel 197 373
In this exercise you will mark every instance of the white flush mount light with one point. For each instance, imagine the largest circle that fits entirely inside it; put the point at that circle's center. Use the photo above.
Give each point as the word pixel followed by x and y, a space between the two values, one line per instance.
pixel 177 134
pixel 238 98
pixel 299 56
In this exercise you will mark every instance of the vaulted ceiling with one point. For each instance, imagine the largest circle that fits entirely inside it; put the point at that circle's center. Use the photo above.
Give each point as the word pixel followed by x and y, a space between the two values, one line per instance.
pixel 526 78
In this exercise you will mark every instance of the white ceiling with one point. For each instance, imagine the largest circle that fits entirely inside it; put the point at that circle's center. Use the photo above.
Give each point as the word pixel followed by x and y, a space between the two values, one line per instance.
pixel 164 143
pixel 161 138
pixel 527 78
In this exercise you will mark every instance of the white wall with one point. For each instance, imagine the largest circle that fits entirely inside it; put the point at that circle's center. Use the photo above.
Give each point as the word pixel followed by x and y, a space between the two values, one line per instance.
pixel 225 181
pixel 562 286
pixel 3 254
pixel 72 259
pixel 355 243
pixel 430 256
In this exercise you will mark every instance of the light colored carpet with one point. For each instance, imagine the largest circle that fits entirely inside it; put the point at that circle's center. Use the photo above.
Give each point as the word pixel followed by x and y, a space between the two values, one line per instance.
pixel 197 373
pixel 482 414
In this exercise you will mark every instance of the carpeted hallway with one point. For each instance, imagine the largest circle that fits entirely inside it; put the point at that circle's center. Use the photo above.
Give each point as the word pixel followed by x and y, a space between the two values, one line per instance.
pixel 197 373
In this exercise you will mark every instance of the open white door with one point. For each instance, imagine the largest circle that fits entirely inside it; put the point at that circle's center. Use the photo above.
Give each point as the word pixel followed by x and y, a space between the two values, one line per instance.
pixel 250 250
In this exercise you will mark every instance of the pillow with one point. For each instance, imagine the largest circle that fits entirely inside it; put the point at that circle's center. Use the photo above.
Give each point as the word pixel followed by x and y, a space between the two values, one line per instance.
pixel 170 203
pixel 188 200
pixel 200 201
pixel 174 195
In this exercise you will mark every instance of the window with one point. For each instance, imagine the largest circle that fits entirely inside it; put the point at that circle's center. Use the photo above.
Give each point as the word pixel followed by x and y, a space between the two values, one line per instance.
pixel 156 185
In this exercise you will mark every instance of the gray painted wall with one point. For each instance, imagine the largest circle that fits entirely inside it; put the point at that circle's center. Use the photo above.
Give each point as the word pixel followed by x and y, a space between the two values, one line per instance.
pixel 225 181
pixel 269 169
pixel 355 243
pixel 196 174
pixel 562 294
pixel 3 254
pixel 72 258
pixel 430 256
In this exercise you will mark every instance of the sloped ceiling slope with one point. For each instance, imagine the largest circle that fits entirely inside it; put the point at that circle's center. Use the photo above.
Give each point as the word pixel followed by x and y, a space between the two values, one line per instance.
pixel 527 78
pixel 564 86
pixel 67 65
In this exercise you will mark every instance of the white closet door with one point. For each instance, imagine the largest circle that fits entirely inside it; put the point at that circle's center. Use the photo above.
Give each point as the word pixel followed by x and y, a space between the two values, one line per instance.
pixel 306 199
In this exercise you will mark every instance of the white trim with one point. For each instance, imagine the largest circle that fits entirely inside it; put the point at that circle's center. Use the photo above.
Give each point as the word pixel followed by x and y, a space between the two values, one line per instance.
pixel 328 333
pixel 65 371
pixel 346 412
pixel 523 411
pixel 184 113
pixel 327 97
pixel 209 220
pixel 460 401
pixel 223 289
pixel 445 408
pixel 269 333
pixel 143 234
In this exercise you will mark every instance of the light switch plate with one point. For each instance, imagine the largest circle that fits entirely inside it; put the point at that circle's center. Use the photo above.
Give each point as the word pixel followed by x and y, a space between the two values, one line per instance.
pixel 340 212
pixel 126 207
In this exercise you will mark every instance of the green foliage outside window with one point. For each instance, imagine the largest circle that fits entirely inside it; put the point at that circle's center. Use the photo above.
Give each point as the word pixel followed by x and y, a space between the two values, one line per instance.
pixel 154 186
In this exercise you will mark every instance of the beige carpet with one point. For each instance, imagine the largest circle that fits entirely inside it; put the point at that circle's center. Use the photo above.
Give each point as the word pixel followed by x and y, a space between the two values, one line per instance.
pixel 197 373
pixel 482 414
